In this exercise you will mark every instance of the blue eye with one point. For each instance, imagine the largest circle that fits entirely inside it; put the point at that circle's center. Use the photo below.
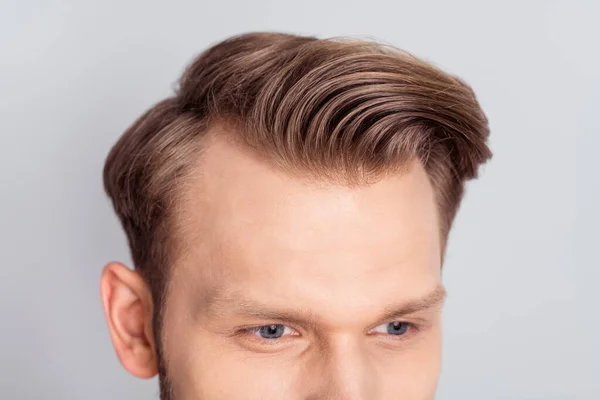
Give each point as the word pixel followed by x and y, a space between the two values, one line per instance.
pixel 397 328
pixel 274 332
pixel 270 331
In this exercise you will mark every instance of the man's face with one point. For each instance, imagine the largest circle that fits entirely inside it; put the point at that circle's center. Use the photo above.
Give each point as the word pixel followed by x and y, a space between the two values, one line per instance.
pixel 293 291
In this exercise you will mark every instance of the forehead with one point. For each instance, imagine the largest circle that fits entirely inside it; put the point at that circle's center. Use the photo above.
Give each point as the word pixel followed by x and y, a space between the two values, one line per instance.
pixel 249 226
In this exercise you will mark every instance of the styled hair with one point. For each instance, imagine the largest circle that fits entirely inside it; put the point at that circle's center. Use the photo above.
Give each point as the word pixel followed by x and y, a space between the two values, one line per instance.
pixel 336 109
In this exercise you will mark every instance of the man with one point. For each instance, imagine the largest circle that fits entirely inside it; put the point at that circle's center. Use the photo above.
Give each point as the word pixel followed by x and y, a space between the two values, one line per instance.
pixel 288 211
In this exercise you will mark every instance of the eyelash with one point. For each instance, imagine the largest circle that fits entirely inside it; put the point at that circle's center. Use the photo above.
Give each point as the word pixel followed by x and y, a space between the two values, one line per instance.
pixel 252 331
pixel 412 329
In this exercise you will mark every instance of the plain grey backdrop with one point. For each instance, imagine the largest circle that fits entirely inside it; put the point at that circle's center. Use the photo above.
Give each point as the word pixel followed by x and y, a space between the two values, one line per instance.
pixel 522 318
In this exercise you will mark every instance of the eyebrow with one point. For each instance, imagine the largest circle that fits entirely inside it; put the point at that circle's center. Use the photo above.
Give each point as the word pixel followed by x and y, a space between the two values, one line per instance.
pixel 236 304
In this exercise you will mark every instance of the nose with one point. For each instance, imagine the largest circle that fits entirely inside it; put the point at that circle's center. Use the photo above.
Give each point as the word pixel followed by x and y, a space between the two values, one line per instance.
pixel 346 373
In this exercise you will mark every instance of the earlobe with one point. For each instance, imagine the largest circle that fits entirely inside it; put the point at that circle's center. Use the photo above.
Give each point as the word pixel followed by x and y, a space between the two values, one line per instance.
pixel 127 304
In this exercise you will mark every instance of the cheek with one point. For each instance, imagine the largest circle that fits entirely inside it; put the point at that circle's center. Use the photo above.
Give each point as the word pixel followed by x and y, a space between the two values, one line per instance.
pixel 203 368
pixel 414 370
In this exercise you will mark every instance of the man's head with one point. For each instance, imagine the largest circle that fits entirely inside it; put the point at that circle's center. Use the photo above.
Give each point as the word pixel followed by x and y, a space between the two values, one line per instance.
pixel 287 212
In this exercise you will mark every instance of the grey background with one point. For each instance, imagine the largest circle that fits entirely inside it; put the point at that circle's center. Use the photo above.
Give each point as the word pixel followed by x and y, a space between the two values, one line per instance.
pixel 522 271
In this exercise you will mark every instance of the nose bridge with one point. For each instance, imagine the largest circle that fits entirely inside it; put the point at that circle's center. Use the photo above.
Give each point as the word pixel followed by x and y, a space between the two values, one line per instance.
pixel 347 370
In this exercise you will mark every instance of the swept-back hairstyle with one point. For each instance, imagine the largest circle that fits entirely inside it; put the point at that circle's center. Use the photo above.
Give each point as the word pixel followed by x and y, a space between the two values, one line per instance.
pixel 334 109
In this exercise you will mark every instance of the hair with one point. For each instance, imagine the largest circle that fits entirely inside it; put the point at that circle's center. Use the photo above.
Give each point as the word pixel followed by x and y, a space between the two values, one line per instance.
pixel 335 109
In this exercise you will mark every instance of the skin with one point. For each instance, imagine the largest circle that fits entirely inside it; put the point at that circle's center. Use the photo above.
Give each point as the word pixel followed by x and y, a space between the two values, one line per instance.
pixel 345 283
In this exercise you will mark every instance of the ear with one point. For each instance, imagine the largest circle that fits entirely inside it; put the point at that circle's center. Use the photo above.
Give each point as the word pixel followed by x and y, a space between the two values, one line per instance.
pixel 128 307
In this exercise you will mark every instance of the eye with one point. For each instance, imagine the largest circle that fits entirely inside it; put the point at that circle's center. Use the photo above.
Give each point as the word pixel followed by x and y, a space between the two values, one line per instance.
pixel 270 332
pixel 397 328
